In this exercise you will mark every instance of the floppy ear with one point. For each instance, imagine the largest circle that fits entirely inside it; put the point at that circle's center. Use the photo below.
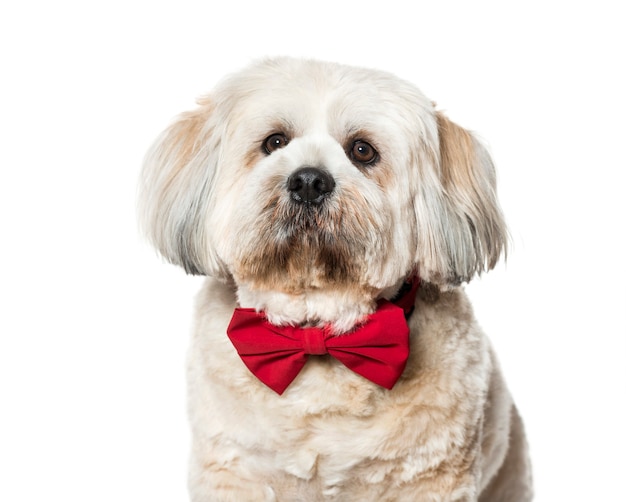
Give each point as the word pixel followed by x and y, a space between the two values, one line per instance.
pixel 175 191
pixel 466 229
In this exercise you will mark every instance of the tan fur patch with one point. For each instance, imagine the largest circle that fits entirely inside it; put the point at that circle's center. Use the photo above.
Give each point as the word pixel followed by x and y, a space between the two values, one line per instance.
pixel 252 157
pixel 457 155
pixel 186 138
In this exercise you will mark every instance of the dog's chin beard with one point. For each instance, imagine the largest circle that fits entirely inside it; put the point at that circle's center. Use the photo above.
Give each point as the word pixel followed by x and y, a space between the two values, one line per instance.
pixel 305 248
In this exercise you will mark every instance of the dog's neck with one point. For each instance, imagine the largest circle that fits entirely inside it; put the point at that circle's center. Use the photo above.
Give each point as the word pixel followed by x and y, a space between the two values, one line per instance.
pixel 340 308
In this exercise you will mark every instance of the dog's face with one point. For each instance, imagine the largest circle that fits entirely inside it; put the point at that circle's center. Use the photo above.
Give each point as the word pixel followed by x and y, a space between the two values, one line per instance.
pixel 306 178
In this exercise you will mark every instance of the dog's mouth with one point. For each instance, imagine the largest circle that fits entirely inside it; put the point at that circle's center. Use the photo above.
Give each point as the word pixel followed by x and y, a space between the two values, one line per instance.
pixel 302 247
pixel 319 241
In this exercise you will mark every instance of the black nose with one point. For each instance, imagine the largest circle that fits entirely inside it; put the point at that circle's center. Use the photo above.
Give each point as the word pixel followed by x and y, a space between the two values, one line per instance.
pixel 310 185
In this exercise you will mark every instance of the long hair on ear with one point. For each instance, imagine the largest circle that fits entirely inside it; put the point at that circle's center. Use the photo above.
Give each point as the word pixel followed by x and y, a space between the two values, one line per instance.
pixel 461 229
pixel 175 191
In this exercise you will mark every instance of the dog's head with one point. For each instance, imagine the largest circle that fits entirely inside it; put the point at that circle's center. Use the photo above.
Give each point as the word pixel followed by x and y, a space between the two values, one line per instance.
pixel 299 176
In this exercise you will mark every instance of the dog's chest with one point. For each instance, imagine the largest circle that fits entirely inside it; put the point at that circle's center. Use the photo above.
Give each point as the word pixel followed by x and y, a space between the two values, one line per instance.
pixel 329 449
pixel 327 435
pixel 336 451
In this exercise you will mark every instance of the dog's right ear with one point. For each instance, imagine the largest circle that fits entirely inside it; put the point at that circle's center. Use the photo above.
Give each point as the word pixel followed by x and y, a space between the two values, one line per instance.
pixel 175 191
pixel 462 229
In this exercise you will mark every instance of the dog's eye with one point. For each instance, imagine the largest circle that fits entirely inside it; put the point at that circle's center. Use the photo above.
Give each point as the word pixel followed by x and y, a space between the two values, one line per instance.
pixel 275 142
pixel 363 153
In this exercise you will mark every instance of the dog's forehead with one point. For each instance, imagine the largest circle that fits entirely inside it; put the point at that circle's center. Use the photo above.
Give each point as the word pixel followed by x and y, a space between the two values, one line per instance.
pixel 313 78
pixel 312 94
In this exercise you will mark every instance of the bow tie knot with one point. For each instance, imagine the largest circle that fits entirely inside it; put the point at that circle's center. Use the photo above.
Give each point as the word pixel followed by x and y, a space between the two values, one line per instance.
pixel 314 341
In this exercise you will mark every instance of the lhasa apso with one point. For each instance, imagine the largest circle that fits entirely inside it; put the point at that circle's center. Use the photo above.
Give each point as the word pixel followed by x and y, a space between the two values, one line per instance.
pixel 335 355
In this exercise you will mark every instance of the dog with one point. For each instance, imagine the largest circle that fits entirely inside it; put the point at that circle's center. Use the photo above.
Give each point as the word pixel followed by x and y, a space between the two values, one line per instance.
pixel 327 203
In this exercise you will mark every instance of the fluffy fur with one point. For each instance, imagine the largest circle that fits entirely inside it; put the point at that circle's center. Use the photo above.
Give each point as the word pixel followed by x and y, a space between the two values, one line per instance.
pixel 215 202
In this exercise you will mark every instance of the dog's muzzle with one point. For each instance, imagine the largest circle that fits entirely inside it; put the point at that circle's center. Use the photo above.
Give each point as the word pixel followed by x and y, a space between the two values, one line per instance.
pixel 310 185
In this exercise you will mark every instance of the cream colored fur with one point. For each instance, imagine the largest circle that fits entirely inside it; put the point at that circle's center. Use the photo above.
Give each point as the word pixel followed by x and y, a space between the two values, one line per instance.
pixel 215 202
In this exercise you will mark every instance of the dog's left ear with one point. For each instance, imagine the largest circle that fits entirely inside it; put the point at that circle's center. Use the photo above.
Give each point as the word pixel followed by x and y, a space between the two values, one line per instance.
pixel 466 229
pixel 176 191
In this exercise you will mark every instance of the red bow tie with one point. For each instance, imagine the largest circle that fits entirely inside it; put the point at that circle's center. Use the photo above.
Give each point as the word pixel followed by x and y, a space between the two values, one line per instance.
pixel 377 350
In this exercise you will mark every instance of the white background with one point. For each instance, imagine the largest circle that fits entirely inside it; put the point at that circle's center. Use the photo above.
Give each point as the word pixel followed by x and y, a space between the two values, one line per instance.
pixel 94 327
